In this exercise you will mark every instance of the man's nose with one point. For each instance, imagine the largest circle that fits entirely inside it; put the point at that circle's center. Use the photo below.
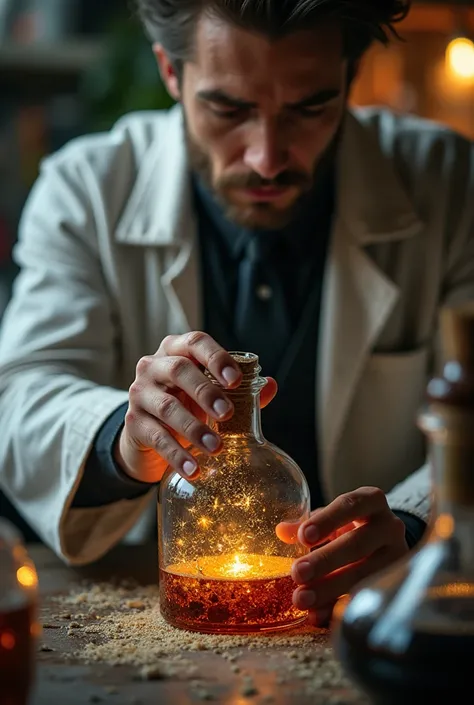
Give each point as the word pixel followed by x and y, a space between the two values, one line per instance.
pixel 266 153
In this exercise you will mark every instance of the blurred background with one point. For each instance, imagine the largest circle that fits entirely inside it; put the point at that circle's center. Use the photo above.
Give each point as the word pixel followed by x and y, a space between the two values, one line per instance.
pixel 73 66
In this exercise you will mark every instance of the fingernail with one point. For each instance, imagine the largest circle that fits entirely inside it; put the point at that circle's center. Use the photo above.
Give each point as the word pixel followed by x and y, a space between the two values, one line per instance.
pixel 311 534
pixel 306 599
pixel 221 407
pixel 189 468
pixel 230 375
pixel 210 442
pixel 305 571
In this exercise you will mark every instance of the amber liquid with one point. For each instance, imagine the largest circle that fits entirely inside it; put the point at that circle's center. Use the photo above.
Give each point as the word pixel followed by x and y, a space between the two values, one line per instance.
pixel 227 605
pixel 17 651
pixel 434 668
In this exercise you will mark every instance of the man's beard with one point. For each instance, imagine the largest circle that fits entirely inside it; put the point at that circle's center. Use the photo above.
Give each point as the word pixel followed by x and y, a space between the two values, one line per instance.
pixel 258 215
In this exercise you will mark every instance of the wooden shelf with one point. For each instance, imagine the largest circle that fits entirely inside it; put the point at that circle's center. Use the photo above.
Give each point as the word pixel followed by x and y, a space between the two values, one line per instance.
pixel 66 58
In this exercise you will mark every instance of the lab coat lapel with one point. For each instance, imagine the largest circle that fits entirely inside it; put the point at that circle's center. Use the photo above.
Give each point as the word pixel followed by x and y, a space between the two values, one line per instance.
pixel 358 297
pixel 160 214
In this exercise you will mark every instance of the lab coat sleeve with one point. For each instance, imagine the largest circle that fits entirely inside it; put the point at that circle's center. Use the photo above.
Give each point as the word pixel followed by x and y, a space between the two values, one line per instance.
pixel 57 367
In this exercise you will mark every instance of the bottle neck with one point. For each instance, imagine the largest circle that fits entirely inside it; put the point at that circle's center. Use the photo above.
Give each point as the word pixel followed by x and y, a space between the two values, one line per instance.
pixel 453 478
pixel 246 419
pixel 453 497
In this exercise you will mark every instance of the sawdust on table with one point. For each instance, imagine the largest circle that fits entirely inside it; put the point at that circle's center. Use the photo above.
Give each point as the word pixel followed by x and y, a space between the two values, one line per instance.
pixel 121 624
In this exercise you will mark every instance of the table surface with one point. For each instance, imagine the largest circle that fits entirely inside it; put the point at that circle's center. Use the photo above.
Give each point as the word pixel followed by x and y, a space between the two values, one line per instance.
pixel 66 679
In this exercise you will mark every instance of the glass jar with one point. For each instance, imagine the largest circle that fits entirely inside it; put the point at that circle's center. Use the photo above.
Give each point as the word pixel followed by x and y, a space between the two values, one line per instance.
pixel 407 634
pixel 18 618
pixel 223 568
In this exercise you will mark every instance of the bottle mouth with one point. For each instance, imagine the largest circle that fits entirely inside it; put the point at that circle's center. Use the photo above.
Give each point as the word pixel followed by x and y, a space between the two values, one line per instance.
pixel 249 365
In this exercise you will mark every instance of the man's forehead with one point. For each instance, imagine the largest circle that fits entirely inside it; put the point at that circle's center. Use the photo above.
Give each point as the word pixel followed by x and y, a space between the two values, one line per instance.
pixel 227 52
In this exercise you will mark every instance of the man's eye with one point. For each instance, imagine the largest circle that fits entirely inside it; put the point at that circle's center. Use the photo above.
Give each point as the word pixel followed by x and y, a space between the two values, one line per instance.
pixel 228 113
pixel 313 112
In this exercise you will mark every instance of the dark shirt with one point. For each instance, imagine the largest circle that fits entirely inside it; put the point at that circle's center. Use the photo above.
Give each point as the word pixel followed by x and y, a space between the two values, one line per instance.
pixel 297 253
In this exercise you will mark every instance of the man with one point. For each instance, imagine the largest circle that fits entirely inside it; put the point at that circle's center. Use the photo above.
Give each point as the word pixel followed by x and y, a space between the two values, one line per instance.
pixel 261 214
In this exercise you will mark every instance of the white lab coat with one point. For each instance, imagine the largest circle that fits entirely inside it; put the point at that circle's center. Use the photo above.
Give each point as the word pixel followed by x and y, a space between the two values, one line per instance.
pixel 110 266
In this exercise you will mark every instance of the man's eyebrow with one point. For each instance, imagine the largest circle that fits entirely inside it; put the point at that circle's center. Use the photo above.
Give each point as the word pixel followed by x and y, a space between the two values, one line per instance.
pixel 218 96
pixel 318 98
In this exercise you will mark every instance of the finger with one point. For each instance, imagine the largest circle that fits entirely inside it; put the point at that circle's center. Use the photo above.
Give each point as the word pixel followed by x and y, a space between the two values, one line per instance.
pixel 201 347
pixel 148 435
pixel 348 548
pixel 268 393
pixel 331 587
pixel 287 531
pixel 358 505
pixel 181 374
pixel 170 411
pixel 320 617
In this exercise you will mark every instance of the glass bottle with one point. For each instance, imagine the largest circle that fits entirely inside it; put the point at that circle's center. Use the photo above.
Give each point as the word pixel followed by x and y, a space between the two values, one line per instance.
pixel 407 634
pixel 18 622
pixel 223 568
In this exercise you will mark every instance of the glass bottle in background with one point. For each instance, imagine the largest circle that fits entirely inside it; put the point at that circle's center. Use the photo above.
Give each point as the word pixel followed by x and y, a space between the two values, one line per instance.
pixel 19 628
pixel 223 568
pixel 407 635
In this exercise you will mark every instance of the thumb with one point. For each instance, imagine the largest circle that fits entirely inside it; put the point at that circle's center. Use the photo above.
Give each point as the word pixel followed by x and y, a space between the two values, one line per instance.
pixel 287 531
pixel 269 392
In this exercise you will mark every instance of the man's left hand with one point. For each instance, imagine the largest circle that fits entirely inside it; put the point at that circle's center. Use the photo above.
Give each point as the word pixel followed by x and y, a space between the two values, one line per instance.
pixel 354 536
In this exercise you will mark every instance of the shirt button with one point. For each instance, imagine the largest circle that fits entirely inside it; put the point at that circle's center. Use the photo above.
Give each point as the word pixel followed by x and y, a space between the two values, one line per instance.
pixel 264 292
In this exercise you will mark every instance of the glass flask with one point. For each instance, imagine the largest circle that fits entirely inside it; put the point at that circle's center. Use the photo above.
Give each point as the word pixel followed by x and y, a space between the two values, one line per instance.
pixel 407 634
pixel 18 618
pixel 223 568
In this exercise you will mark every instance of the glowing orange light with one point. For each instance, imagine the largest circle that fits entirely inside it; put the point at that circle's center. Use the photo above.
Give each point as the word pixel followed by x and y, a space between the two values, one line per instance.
pixel 445 526
pixel 238 567
pixel 460 58
pixel 453 590
pixel 26 576
pixel 7 641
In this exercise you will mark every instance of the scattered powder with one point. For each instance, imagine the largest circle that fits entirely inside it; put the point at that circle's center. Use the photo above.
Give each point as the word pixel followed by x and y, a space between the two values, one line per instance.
pixel 248 688
pixel 45 647
pixel 132 631
pixel 124 627
pixel 153 673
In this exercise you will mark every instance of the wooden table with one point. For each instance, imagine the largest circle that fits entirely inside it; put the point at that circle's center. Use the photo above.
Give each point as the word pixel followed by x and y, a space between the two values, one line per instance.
pixel 65 680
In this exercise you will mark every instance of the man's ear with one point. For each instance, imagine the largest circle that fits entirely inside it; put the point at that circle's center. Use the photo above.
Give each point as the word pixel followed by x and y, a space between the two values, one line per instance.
pixel 167 71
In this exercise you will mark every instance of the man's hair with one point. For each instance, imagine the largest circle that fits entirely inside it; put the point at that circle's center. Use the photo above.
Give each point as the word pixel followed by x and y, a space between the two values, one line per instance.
pixel 172 23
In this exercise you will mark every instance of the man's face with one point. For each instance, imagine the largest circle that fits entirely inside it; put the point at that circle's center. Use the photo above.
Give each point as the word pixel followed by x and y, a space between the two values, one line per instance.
pixel 261 114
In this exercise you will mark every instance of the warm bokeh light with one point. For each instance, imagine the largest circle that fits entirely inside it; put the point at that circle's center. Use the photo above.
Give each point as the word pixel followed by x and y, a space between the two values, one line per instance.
pixel 26 576
pixel 444 526
pixel 7 641
pixel 456 590
pixel 460 58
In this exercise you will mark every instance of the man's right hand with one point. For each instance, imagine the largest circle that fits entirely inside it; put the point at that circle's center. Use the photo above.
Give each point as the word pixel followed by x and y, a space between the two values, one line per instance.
pixel 169 402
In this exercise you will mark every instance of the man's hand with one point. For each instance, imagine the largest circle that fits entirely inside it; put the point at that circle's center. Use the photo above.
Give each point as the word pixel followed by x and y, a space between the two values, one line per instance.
pixel 354 536
pixel 169 402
